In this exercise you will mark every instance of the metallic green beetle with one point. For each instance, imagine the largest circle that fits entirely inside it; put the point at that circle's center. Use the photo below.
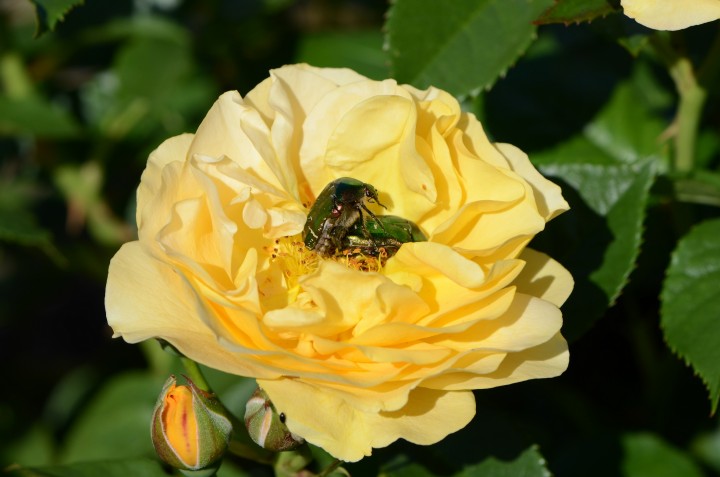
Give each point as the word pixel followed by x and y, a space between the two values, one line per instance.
pixel 388 232
pixel 339 206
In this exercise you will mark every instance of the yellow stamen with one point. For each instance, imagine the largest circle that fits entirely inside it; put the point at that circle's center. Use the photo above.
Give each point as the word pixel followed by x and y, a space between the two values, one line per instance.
pixel 354 258
pixel 293 258
pixel 296 260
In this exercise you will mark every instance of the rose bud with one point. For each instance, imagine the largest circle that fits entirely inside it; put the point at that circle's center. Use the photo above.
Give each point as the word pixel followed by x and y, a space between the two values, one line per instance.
pixel 266 426
pixel 190 428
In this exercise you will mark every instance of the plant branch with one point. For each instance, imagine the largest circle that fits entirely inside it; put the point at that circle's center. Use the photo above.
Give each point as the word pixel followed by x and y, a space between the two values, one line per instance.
pixel 195 373
pixel 692 99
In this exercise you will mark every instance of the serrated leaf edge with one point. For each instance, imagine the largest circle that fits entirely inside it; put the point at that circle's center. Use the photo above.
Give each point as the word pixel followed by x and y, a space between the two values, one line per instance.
pixel 41 23
pixel 542 20
pixel 685 359
pixel 472 93
pixel 640 232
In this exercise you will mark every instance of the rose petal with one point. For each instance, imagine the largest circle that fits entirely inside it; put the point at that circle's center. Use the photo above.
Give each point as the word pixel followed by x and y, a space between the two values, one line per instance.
pixel 350 434
pixel 162 304
pixel 548 196
pixel 544 278
pixel 671 14
pixel 528 322
pixel 171 150
pixel 547 360
pixel 234 130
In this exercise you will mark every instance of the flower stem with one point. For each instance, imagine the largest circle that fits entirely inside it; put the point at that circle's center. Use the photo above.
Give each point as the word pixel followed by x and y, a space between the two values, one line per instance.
pixel 250 451
pixel 692 99
pixel 330 468
pixel 195 373
pixel 291 463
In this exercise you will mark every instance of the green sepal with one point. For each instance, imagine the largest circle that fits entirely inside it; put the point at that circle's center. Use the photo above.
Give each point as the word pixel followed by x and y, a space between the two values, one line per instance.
pixel 266 426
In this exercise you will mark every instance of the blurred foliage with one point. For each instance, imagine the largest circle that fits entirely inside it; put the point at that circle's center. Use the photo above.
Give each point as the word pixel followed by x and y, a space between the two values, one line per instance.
pixel 593 98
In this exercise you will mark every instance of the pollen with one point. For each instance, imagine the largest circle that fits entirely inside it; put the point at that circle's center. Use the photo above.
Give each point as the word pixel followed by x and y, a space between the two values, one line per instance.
pixel 295 260
pixel 356 259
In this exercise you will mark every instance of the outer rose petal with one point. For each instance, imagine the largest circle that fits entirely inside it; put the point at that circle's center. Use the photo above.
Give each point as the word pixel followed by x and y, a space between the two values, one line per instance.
pixel 145 298
pixel 350 434
pixel 547 360
pixel 544 278
pixel 548 196
pixel 151 183
pixel 671 14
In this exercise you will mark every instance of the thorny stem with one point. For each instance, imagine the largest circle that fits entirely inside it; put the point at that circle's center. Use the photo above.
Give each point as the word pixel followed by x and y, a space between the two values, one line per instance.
pixel 692 89
pixel 692 100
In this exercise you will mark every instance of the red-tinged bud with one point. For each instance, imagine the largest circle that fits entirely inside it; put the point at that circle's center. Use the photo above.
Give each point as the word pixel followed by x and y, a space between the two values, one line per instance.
pixel 190 427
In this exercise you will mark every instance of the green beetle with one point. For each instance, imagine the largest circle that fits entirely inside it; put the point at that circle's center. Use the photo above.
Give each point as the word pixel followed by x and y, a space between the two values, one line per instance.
pixel 388 232
pixel 339 206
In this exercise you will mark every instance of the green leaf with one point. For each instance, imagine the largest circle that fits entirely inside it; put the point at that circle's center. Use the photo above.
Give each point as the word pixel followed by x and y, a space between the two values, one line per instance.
pixel 17 222
pixel 402 465
pixel 599 239
pixel 357 50
pixel 48 13
pixel 646 455
pixel 135 27
pixel 628 129
pixel 528 464
pixel 575 11
pixel 230 469
pixel 31 115
pixel 141 96
pixel 34 447
pixel 610 169
pixel 81 186
pixel 114 468
pixel 690 304
pixel 116 424
pixel 20 226
pixel 707 448
pixel 461 46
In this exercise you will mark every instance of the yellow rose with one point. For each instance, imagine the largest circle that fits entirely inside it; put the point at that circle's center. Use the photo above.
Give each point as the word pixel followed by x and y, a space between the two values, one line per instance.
pixel 671 14
pixel 354 359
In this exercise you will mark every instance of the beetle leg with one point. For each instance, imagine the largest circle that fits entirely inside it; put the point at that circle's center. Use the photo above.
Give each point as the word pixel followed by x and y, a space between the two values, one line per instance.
pixel 379 222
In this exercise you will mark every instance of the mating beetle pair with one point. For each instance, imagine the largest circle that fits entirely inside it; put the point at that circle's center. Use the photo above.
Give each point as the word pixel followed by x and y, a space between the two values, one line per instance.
pixel 336 222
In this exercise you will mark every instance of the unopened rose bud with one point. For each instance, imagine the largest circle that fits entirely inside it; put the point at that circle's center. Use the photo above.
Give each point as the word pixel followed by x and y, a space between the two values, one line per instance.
pixel 266 426
pixel 190 428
